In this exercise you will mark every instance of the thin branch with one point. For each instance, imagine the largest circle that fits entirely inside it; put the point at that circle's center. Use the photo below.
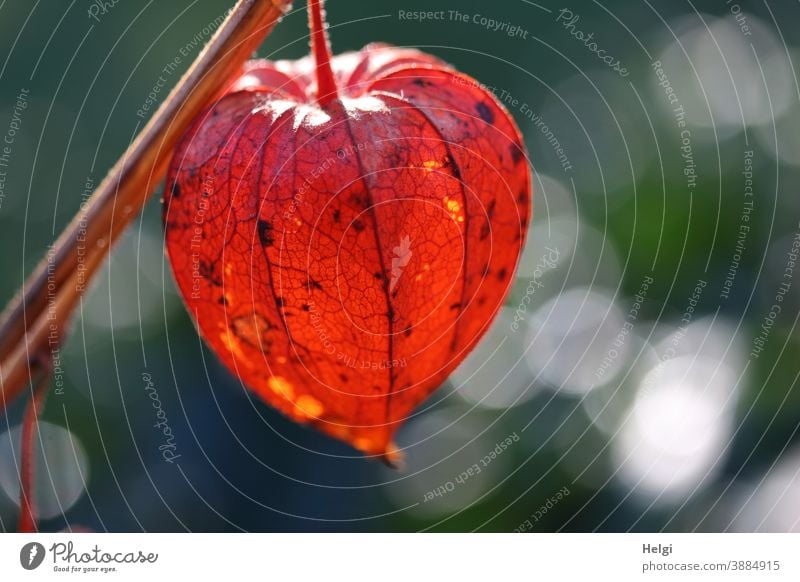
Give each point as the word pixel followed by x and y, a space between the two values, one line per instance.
pixel 27 477
pixel 54 289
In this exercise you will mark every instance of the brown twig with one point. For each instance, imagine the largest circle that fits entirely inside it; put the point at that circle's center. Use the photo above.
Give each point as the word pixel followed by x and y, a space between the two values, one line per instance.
pixel 27 477
pixel 54 289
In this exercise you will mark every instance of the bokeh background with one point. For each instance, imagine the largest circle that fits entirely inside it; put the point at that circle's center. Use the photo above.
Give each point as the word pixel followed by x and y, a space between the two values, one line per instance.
pixel 640 375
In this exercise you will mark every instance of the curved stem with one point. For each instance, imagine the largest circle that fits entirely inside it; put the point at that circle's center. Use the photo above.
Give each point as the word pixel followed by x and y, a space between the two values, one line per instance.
pixel 27 478
pixel 327 89
pixel 77 255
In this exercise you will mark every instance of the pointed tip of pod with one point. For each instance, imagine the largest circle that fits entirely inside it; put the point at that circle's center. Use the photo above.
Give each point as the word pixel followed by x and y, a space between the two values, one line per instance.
pixel 393 457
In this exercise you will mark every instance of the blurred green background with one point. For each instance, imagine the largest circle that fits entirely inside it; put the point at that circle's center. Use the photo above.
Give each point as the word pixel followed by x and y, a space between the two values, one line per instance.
pixel 641 384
